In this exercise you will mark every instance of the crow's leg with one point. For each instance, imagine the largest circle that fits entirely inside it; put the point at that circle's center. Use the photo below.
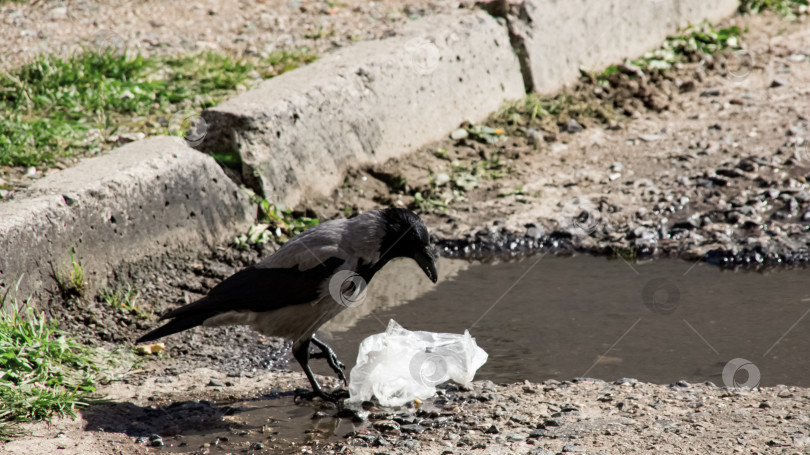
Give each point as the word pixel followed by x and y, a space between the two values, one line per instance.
pixel 301 354
pixel 330 356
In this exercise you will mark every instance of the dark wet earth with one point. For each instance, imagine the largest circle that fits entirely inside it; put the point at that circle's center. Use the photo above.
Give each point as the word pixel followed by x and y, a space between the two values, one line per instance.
pixel 273 423
pixel 544 317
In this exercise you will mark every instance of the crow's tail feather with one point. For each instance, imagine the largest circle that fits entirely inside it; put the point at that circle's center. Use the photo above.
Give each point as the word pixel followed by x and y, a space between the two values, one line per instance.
pixel 175 325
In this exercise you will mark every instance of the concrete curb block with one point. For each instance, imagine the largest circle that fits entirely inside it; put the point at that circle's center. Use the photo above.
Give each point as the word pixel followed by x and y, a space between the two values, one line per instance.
pixel 593 33
pixel 141 199
pixel 297 133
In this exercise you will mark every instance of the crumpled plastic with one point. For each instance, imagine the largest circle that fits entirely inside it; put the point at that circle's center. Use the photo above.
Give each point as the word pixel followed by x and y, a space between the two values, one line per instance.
pixel 399 365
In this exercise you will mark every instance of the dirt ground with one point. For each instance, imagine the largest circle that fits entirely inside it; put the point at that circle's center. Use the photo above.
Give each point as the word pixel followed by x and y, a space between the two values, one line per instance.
pixel 581 416
pixel 595 417
pixel 720 174
pixel 235 27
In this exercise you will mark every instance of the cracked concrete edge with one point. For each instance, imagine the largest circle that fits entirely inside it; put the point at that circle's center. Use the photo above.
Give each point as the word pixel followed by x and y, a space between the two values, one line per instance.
pixel 143 199
pixel 297 133
pixel 593 34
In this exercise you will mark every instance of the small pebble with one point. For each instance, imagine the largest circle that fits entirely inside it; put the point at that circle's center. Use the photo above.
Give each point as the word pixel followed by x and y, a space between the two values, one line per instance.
pixel 711 91
pixel 413 428
pixel 155 441
pixel 573 127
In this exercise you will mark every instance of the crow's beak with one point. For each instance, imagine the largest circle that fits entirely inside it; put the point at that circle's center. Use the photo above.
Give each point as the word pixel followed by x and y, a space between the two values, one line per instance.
pixel 425 260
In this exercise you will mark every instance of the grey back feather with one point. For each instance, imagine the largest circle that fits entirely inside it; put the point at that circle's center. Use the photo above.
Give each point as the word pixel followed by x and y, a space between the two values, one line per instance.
pixel 353 240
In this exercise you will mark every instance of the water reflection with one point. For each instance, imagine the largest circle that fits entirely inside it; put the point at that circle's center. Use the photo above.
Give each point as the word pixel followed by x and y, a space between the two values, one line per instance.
pixel 583 316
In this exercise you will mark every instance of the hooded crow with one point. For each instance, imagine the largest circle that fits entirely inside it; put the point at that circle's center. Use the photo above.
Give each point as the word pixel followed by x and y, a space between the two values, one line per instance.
pixel 308 281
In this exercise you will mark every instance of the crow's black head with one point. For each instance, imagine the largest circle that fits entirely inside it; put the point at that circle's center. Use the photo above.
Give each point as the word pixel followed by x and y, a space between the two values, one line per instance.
pixel 407 236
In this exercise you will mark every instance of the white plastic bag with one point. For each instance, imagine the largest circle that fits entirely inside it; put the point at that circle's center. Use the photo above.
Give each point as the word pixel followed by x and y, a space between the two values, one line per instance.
pixel 399 365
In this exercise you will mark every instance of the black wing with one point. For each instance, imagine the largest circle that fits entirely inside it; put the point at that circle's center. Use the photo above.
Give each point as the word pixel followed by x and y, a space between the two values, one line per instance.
pixel 251 289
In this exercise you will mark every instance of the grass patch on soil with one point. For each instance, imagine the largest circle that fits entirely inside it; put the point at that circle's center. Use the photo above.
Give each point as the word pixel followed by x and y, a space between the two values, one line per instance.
pixel 125 300
pixel 71 283
pixel 602 97
pixel 275 223
pixel 690 45
pixel 455 181
pixel 59 107
pixel 43 372
pixel 787 8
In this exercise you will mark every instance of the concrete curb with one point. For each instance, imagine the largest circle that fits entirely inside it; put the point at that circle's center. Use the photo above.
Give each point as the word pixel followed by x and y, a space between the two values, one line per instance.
pixel 141 199
pixel 297 133
pixel 594 34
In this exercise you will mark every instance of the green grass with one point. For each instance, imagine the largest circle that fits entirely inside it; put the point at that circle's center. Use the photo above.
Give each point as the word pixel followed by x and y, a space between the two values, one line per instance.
pixel 462 176
pixel 430 203
pixel 786 8
pixel 690 44
pixel 71 283
pixel 42 372
pixel 123 299
pixel 58 107
pixel 545 111
pixel 275 223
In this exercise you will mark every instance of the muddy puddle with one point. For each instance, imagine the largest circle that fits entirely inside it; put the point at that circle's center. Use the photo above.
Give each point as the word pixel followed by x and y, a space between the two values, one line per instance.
pixel 550 317
pixel 662 321
pixel 272 424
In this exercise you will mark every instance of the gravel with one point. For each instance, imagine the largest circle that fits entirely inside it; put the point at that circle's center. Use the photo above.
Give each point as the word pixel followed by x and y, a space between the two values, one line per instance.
pixel 640 416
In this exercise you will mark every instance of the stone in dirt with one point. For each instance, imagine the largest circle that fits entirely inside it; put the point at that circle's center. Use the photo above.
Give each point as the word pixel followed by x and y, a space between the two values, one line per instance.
pixel 573 127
